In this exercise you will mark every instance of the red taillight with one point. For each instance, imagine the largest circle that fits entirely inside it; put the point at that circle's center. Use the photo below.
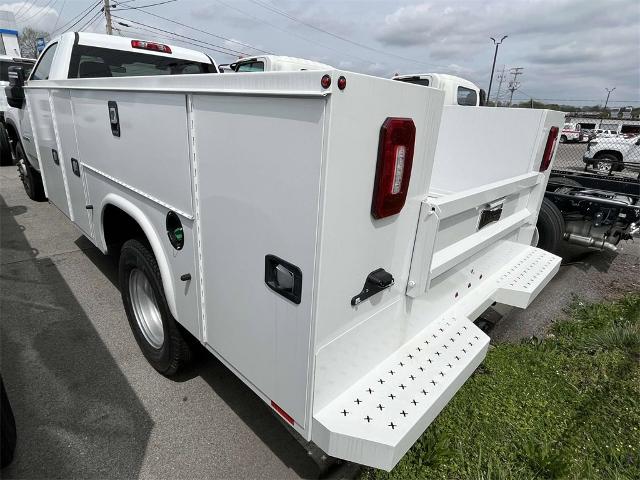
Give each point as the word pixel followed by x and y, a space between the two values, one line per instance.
pixel 393 171
pixel 548 149
pixel 156 47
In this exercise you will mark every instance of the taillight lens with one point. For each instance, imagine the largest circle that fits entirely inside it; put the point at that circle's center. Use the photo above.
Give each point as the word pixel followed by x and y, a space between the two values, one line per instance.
pixel 549 148
pixel 155 47
pixel 393 171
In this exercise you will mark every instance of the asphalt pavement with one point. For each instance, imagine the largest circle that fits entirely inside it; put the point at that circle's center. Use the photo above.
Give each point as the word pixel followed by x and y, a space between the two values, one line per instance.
pixel 88 405
pixel 86 402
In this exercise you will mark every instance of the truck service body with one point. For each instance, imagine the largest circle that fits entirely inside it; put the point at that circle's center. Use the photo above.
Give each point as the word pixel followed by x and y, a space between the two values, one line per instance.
pixel 335 261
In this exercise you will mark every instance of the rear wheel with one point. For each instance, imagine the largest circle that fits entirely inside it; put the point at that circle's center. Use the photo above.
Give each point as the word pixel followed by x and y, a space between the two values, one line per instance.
pixel 550 226
pixel 607 163
pixel 158 334
pixel 5 147
pixel 563 139
pixel 31 179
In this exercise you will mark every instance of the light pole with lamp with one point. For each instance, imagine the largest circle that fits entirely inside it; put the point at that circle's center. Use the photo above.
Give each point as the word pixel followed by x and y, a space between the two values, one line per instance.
pixel 493 66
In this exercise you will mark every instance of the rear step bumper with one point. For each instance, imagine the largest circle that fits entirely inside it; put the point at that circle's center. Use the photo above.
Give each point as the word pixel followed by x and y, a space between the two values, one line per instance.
pixel 380 416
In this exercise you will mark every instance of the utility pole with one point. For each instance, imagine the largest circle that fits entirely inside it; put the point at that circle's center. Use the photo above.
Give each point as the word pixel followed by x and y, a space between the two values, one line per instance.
pixel 107 17
pixel 493 66
pixel 608 94
pixel 513 85
pixel 501 78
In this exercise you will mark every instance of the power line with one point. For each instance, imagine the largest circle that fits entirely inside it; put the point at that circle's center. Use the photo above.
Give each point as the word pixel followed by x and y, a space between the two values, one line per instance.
pixel 31 5
pixel 221 37
pixel 64 28
pixel 313 42
pixel 90 21
pixel 142 6
pixel 25 20
pixel 138 31
pixel 218 48
pixel 339 37
pixel 64 3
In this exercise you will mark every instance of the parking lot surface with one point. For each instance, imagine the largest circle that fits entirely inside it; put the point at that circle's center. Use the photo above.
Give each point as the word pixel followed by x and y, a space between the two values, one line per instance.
pixel 86 402
pixel 88 405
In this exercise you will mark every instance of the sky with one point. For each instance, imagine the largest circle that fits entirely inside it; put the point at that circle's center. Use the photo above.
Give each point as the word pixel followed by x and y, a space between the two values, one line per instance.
pixel 570 50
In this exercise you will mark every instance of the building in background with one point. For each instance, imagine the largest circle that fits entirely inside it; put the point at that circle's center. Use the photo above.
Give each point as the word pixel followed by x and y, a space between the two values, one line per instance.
pixel 8 34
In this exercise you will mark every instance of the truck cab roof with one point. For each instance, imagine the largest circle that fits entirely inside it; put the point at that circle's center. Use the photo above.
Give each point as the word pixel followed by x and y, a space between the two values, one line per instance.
pixel 66 42
pixel 276 63
pixel 458 91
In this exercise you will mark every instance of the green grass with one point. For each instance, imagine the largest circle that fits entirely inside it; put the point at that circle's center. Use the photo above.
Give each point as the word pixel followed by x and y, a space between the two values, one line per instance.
pixel 567 406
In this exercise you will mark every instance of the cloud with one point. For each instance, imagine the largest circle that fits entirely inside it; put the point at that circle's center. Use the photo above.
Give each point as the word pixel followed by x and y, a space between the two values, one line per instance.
pixel 31 15
pixel 572 46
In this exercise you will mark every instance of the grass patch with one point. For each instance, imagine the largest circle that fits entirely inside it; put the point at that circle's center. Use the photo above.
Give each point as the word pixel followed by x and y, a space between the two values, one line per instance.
pixel 567 406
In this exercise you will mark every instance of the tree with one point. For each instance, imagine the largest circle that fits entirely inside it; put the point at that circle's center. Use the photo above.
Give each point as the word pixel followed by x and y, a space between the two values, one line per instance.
pixel 27 41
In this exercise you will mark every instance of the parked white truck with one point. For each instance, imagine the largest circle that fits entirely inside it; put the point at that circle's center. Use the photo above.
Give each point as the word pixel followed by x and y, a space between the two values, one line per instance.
pixel 5 140
pixel 332 251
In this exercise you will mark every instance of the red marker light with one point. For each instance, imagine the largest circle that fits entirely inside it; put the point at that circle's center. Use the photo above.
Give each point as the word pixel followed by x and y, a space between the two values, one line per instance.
pixel 326 81
pixel 155 47
pixel 342 83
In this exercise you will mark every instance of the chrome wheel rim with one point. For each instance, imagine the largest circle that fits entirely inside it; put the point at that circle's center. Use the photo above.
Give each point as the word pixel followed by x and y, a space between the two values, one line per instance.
pixel 604 167
pixel 145 308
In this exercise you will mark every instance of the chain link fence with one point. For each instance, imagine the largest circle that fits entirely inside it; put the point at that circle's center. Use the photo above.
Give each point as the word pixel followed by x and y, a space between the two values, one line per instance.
pixel 600 146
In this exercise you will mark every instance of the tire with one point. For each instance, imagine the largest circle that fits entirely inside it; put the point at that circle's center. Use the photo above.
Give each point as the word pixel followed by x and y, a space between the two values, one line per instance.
pixel 7 429
pixel 612 163
pixel 5 147
pixel 563 139
pixel 550 227
pixel 30 177
pixel 159 336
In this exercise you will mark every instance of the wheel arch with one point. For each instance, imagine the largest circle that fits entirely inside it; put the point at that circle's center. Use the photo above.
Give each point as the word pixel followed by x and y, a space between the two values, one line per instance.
pixel 126 207
pixel 615 153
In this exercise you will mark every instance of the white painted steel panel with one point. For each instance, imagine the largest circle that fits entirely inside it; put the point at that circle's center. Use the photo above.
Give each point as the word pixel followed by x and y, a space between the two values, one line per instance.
pixel 353 243
pixel 259 195
pixel 68 151
pixel 479 145
pixel 45 138
pixel 152 152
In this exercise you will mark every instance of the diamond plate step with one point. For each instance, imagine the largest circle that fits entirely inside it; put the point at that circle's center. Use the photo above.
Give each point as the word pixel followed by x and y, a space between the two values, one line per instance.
pixel 380 417
pixel 525 277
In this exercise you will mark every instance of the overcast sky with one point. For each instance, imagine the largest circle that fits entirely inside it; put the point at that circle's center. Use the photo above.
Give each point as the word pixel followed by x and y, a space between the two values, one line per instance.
pixel 570 49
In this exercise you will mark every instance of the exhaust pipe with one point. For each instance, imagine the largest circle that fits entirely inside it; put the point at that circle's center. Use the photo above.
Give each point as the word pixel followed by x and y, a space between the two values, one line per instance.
pixel 590 242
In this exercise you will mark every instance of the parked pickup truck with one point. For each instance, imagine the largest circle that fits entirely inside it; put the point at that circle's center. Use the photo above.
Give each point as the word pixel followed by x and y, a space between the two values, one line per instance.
pixel 613 154
pixel 5 63
pixel 335 263
pixel 88 55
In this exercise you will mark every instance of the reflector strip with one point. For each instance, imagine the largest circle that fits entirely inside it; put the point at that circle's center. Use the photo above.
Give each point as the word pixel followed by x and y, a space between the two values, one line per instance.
pixel 282 413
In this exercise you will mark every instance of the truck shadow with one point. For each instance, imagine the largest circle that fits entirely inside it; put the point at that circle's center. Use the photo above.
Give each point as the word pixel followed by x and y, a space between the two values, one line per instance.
pixel 236 395
pixel 76 414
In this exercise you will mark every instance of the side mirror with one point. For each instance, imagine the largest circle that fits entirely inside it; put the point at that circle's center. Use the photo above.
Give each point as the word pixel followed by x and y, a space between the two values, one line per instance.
pixel 233 66
pixel 483 98
pixel 15 90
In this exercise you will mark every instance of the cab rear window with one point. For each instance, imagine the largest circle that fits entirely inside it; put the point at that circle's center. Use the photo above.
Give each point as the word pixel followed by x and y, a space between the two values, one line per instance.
pixel 96 62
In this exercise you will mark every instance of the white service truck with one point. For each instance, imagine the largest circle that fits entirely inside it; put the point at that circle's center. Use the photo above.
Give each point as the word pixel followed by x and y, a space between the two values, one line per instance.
pixel 326 234
pixel 457 90
pixel 86 55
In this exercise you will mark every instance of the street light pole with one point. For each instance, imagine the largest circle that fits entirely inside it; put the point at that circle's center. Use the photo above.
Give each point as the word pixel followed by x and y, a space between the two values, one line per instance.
pixel 493 66
pixel 607 100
